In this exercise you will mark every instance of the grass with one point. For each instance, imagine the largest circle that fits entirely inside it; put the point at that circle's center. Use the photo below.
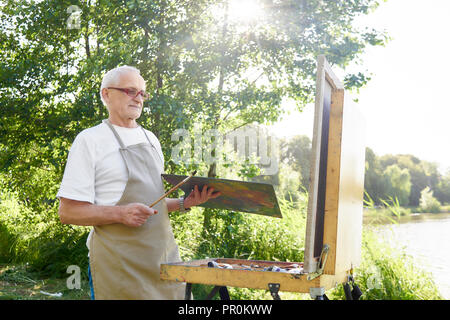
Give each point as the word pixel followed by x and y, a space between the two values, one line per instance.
pixel 17 282
pixel 36 251
pixel 384 215
pixel 388 273
pixel 384 274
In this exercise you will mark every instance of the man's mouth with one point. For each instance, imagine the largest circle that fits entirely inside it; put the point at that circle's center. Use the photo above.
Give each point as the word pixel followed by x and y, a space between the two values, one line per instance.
pixel 134 106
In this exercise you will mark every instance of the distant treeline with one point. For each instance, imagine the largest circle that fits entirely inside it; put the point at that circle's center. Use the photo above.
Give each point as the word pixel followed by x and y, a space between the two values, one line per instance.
pixel 400 176
pixel 404 176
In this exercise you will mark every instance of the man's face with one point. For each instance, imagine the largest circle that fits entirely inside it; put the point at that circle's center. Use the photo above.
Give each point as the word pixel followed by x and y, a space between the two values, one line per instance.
pixel 120 105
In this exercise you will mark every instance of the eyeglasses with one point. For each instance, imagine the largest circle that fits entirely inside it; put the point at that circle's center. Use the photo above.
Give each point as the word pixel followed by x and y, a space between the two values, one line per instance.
pixel 133 93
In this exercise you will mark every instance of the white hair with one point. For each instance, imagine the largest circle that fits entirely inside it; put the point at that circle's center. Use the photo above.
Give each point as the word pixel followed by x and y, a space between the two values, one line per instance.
pixel 111 78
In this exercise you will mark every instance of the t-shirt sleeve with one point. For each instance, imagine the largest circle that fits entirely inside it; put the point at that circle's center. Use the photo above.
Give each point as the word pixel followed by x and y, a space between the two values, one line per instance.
pixel 78 182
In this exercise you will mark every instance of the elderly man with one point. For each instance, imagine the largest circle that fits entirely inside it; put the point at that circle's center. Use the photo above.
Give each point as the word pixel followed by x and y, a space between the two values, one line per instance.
pixel 113 172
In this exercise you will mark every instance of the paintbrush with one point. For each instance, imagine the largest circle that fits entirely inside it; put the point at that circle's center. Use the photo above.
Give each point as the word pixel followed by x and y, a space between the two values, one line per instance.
pixel 174 188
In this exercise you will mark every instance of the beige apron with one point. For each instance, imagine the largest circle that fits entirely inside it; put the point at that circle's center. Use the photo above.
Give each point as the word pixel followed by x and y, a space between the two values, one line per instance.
pixel 125 261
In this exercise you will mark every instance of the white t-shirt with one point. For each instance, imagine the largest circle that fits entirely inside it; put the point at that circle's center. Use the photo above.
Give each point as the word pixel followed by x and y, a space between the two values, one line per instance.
pixel 95 171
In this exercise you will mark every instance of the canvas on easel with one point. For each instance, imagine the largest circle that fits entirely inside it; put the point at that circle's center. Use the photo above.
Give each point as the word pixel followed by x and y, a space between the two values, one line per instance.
pixel 336 189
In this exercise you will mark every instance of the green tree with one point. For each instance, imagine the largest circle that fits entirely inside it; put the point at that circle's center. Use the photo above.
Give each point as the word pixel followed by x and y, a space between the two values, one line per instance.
pixel 296 152
pixel 201 63
pixel 375 183
pixel 400 183
pixel 443 189
pixel 423 173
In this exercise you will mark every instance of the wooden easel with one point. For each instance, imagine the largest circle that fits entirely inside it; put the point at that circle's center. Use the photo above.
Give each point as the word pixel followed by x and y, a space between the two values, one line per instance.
pixel 334 221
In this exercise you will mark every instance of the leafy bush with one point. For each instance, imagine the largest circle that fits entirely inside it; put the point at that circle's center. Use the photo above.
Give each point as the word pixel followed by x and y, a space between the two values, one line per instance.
pixel 6 240
pixel 250 236
pixel 388 273
pixel 428 203
pixel 392 206
pixel 39 239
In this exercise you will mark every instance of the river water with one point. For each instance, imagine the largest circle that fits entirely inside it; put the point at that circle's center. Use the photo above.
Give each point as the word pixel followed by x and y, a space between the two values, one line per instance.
pixel 425 237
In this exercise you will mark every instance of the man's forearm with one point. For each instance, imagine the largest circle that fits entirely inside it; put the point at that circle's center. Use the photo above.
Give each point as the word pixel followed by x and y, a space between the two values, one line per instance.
pixel 87 214
pixel 173 204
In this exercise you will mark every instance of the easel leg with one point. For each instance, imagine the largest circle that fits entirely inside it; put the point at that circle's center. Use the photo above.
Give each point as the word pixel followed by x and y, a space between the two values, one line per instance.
pixel 347 291
pixel 187 295
pixel 351 294
pixel 223 292
pixel 274 288
pixel 356 292
pixel 212 293
pixel 318 293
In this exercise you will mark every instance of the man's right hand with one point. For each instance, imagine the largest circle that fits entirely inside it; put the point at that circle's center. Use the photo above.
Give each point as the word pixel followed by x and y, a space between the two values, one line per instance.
pixel 135 214
pixel 84 213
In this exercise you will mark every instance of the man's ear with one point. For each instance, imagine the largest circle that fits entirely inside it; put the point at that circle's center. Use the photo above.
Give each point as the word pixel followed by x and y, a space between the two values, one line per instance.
pixel 105 94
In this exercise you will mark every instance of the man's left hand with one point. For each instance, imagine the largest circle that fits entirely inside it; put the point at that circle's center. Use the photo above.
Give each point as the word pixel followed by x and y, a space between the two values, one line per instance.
pixel 196 197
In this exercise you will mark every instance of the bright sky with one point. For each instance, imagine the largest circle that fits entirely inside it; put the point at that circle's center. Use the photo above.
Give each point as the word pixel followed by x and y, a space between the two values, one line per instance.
pixel 406 104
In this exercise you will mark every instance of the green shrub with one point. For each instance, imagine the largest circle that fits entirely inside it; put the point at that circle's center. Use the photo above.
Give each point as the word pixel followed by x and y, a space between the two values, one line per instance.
pixel 6 240
pixel 187 229
pixel 428 203
pixel 39 239
pixel 255 237
pixel 388 273
pixel 392 206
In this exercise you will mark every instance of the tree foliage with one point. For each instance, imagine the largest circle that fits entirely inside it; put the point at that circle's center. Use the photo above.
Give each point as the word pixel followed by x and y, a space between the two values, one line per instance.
pixel 201 65
pixel 401 177
pixel 443 188
pixel 399 183
pixel 394 175
pixel 296 152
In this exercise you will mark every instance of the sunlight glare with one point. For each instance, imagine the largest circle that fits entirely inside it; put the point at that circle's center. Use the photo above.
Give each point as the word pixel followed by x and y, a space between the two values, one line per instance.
pixel 240 11
pixel 245 10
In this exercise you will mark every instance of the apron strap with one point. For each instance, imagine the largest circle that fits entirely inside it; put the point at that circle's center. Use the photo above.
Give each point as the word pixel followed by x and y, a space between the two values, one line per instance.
pixel 115 133
pixel 118 137
pixel 148 138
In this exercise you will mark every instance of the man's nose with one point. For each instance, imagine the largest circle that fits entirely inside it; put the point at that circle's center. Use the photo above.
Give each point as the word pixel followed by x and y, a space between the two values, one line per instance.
pixel 139 98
